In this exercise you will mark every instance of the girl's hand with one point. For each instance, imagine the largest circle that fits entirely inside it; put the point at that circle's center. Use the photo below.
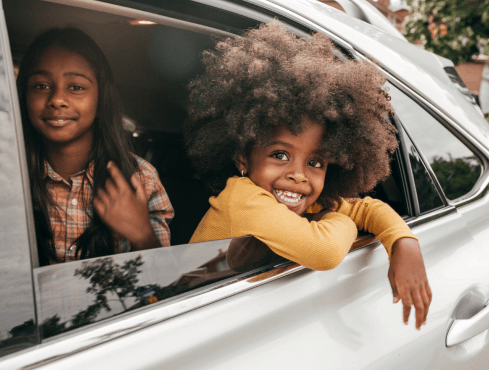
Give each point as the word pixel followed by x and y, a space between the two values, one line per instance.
pixel 124 210
pixel 409 283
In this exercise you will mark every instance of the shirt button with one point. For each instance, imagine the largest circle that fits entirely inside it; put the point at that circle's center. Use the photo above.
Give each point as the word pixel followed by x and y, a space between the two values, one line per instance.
pixel 74 202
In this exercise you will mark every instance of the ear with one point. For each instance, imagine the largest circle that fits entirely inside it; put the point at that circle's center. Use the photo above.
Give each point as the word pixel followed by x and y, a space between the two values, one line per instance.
pixel 241 162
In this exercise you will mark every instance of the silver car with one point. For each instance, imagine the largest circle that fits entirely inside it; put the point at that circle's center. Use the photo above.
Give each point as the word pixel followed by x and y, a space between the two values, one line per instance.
pixel 182 307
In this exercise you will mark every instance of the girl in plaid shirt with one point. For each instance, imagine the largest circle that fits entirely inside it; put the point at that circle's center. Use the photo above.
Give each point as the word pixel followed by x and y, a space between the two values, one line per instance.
pixel 91 196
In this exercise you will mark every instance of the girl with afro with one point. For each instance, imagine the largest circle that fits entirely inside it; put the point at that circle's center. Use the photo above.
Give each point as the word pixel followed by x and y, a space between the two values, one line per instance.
pixel 288 133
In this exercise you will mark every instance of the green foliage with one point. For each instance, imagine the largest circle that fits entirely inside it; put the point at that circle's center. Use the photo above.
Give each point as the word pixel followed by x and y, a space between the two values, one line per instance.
pixel 454 29
pixel 456 177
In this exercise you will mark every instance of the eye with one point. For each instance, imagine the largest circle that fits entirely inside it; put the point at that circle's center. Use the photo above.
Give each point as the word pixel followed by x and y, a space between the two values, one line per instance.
pixel 76 88
pixel 315 163
pixel 281 156
pixel 41 86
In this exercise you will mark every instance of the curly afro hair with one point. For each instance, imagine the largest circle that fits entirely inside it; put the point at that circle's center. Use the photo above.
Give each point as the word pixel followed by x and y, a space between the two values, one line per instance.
pixel 270 78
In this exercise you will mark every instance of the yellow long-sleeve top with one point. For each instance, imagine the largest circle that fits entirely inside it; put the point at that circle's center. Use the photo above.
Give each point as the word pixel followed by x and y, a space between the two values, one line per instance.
pixel 244 208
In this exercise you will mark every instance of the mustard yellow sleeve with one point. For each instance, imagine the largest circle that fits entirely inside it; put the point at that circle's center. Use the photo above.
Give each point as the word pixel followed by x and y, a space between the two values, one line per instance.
pixel 318 245
pixel 378 218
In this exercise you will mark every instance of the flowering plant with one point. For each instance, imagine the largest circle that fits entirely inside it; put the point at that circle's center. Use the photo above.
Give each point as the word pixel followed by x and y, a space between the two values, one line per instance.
pixel 454 29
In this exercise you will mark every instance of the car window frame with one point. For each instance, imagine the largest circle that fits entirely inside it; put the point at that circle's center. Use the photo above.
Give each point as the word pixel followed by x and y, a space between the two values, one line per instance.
pixel 20 239
pixel 457 130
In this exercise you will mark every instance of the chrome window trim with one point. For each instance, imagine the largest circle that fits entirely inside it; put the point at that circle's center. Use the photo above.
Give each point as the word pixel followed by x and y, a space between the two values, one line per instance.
pixel 432 215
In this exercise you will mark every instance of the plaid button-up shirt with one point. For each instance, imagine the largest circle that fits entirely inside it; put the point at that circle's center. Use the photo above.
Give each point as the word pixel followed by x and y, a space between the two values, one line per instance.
pixel 71 215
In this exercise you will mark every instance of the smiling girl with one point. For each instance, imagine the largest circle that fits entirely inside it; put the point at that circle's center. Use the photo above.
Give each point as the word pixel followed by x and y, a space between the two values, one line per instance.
pixel 79 158
pixel 307 132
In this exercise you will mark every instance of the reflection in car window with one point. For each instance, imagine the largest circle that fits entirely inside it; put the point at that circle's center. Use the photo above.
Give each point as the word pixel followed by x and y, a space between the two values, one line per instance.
pixel 73 295
pixel 455 166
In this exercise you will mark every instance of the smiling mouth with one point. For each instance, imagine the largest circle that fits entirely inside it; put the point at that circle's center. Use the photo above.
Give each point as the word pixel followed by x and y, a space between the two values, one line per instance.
pixel 57 121
pixel 288 196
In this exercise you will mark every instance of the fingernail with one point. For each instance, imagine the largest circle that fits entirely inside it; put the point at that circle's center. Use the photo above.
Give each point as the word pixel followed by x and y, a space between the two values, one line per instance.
pixel 424 323
pixel 418 328
pixel 395 300
pixel 405 322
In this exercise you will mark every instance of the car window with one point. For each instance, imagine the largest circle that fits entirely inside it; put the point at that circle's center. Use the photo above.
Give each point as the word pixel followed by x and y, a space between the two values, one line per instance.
pixel 456 167
pixel 427 195
pixel 18 320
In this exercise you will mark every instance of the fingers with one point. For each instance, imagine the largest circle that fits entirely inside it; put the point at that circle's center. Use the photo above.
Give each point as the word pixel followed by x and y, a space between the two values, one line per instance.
pixel 421 300
pixel 420 310
pixel 100 202
pixel 406 310
pixel 116 176
pixel 140 193
pixel 110 187
pixel 426 296
pixel 395 293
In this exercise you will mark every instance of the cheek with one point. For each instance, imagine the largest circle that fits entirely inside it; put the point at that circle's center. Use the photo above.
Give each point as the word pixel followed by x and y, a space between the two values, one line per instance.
pixel 34 107
pixel 32 102
pixel 88 109
pixel 318 184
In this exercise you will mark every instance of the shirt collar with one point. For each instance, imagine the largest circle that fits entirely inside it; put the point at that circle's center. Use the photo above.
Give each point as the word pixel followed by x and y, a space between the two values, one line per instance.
pixel 52 174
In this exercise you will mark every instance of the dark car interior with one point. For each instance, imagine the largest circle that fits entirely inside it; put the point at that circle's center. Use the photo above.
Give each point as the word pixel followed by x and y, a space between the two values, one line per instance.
pixel 154 50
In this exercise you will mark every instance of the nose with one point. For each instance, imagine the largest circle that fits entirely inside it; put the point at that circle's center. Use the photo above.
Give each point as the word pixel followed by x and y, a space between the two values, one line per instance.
pixel 297 173
pixel 58 99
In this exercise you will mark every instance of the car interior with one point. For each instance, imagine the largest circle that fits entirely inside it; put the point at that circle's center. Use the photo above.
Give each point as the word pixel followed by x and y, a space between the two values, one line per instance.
pixel 154 52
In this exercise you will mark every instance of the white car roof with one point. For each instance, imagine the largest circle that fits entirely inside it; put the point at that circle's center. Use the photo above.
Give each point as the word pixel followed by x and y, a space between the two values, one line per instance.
pixel 415 67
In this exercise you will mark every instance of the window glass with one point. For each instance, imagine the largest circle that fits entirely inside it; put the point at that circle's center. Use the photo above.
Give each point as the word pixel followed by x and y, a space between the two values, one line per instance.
pixel 456 167
pixel 18 322
pixel 71 295
pixel 428 197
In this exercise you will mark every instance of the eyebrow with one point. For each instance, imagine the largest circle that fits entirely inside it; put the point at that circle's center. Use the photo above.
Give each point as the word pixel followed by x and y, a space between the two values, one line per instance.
pixel 317 152
pixel 43 72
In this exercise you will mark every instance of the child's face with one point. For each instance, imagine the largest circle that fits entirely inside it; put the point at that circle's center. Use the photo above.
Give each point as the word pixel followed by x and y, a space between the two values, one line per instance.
pixel 290 167
pixel 62 97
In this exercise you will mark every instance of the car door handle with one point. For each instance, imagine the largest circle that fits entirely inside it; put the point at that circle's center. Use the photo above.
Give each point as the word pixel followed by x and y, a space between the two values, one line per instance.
pixel 462 330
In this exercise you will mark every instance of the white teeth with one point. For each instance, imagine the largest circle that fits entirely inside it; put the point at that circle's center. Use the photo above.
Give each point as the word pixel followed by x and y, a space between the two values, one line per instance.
pixel 288 196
